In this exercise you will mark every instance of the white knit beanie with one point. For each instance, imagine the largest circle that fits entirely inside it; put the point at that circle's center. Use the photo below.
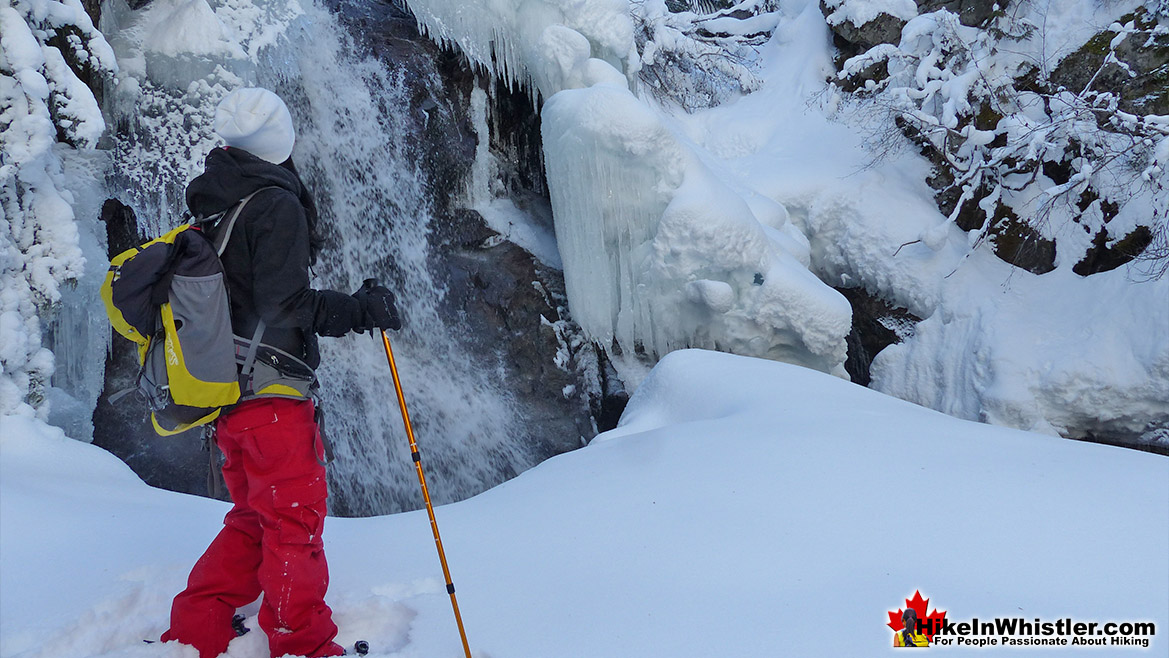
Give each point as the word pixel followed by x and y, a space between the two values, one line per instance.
pixel 257 121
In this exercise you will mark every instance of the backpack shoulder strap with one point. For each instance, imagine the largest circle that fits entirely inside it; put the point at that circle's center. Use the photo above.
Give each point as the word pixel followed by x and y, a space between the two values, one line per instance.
pixel 225 235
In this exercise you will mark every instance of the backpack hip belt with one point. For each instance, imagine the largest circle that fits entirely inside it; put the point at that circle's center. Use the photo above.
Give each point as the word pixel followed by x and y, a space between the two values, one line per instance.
pixel 267 371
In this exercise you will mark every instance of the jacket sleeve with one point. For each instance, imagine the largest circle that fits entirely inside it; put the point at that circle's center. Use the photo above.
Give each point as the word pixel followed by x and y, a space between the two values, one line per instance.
pixel 279 242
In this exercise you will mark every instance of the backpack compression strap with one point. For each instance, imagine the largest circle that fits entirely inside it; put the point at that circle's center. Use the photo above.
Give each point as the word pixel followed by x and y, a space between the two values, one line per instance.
pixel 250 359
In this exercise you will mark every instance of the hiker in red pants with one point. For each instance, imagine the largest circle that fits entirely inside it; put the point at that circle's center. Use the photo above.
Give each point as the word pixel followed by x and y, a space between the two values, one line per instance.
pixel 270 543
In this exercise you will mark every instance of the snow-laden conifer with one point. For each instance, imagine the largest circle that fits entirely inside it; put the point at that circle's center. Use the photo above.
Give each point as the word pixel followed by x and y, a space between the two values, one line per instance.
pixel 46 111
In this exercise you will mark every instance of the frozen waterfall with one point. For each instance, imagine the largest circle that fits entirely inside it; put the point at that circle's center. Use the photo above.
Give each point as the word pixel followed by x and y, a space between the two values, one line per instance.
pixel 660 251
pixel 660 254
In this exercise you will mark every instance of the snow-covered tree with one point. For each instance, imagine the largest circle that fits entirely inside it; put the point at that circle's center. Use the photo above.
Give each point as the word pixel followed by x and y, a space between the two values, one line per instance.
pixel 699 53
pixel 1049 165
pixel 46 111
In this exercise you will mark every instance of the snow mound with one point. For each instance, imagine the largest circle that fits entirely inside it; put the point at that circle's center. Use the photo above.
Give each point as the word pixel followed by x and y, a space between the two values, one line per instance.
pixel 187 27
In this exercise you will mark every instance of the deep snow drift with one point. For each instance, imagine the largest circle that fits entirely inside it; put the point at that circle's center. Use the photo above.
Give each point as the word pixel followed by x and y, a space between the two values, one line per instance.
pixel 742 508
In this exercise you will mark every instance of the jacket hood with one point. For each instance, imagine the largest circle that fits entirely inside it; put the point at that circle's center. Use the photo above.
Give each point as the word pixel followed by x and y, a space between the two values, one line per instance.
pixel 230 174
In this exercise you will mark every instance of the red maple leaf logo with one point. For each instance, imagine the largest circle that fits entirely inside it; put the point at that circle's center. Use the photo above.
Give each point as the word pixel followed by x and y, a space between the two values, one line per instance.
pixel 930 623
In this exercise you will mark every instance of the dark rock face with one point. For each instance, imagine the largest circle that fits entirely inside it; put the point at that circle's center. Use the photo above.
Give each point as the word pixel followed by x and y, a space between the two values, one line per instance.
pixel 973 13
pixel 510 303
pixel 1019 244
pixel 1105 255
pixel 882 29
pixel 513 303
pixel 851 40
pixel 875 326
pixel 1144 87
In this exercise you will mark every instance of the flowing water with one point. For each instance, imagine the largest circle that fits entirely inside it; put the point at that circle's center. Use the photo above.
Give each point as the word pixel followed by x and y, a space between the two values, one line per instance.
pixel 358 151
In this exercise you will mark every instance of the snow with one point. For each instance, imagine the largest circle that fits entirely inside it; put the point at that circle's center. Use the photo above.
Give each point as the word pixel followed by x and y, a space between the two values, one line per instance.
pixel 1057 353
pixel 551 42
pixel 187 27
pixel 734 498
pixel 860 12
pixel 1003 353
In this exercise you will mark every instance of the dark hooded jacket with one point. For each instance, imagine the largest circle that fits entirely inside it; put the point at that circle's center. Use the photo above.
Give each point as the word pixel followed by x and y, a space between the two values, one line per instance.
pixel 268 254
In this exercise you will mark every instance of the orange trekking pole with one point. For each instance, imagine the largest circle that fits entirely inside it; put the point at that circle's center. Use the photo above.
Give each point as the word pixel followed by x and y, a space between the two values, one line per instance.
pixel 446 572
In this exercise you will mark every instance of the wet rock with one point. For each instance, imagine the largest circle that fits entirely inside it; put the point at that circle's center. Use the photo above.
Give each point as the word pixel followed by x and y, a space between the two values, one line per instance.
pixel 875 325
pixel 514 307
pixel 509 303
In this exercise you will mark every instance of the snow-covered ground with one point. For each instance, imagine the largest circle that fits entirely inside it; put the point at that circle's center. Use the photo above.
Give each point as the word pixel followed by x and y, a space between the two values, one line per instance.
pixel 742 508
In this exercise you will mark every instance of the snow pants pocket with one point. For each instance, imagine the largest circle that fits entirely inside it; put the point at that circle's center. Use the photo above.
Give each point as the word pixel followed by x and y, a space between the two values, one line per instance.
pixel 300 511
pixel 280 447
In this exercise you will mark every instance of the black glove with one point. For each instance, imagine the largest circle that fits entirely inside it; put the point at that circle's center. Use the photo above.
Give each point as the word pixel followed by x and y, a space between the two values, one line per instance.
pixel 377 307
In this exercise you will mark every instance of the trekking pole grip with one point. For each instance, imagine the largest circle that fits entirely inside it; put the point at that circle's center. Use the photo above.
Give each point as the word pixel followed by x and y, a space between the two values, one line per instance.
pixel 370 284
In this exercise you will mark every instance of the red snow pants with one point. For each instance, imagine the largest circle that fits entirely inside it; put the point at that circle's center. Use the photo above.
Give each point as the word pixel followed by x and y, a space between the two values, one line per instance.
pixel 271 539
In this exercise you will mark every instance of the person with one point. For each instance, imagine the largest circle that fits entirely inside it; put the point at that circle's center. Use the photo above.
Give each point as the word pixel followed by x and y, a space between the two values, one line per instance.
pixel 908 636
pixel 274 469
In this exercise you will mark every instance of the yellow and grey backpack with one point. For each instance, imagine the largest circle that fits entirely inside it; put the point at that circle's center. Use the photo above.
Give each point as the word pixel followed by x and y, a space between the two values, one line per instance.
pixel 169 297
